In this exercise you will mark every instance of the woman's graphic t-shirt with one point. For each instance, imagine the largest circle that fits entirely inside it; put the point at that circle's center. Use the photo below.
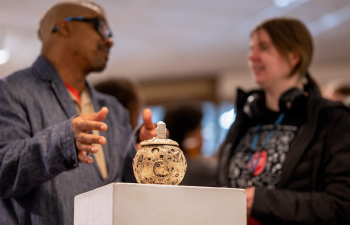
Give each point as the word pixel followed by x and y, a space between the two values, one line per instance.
pixel 267 161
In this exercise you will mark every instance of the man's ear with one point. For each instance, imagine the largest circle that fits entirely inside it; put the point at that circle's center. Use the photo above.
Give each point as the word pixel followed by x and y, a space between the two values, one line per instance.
pixel 39 35
pixel 63 28
pixel 294 58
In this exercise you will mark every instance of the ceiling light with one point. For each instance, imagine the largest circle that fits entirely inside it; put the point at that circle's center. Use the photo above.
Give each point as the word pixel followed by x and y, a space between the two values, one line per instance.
pixel 330 20
pixel 281 3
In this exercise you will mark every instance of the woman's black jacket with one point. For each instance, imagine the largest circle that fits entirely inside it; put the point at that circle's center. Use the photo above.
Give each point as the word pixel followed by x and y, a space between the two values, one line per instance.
pixel 314 187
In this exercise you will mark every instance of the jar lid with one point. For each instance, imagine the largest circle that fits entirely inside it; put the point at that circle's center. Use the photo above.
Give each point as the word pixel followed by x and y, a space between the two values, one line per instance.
pixel 159 141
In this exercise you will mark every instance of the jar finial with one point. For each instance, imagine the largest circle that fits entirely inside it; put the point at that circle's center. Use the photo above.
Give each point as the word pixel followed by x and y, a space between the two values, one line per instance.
pixel 161 130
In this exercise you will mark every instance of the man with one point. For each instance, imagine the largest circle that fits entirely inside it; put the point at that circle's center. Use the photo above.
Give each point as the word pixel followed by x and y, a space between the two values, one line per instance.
pixel 46 149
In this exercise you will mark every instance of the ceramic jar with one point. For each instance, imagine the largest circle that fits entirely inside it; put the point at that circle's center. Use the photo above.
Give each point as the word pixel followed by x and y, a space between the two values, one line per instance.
pixel 160 160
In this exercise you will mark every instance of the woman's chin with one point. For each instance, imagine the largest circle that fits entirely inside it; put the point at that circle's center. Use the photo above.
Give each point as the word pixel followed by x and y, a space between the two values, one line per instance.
pixel 260 82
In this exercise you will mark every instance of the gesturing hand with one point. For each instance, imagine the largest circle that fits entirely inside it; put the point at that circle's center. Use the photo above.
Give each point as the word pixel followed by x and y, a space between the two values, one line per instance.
pixel 84 123
pixel 148 130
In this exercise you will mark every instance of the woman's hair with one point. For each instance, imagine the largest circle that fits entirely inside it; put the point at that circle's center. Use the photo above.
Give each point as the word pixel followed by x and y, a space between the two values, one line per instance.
pixel 290 35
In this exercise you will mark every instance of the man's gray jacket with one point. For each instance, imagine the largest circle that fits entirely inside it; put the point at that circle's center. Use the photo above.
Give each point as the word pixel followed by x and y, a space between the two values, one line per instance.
pixel 39 171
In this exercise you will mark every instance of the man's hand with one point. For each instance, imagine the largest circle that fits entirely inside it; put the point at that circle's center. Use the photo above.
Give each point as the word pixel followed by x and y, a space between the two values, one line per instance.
pixel 148 130
pixel 81 125
pixel 250 199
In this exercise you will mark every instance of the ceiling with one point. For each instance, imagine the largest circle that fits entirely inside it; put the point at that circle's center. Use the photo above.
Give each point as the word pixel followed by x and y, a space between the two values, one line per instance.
pixel 178 38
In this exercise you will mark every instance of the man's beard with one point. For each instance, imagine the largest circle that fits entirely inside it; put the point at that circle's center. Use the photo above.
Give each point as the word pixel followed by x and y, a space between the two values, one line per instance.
pixel 101 63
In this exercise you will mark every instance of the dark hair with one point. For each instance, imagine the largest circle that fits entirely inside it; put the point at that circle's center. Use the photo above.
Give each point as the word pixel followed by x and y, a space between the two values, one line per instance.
pixel 290 35
pixel 181 118
pixel 126 92
pixel 343 90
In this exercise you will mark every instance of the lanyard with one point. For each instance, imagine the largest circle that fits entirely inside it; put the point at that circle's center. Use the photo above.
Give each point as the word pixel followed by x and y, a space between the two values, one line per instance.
pixel 255 143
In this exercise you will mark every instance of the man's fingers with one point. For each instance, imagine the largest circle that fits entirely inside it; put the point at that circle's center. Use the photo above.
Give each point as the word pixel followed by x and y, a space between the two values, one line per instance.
pixel 84 158
pixel 91 125
pixel 148 129
pixel 84 123
pixel 86 147
pixel 90 139
pixel 101 115
pixel 98 116
pixel 147 119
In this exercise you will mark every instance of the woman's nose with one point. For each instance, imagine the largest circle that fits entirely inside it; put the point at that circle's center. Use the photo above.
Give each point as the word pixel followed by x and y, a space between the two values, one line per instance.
pixel 253 55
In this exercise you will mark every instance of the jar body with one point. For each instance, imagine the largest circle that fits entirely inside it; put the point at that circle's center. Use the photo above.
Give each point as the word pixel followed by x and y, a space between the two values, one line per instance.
pixel 159 164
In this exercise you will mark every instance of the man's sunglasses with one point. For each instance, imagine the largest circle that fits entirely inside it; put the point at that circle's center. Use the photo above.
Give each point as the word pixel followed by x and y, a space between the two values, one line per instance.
pixel 100 25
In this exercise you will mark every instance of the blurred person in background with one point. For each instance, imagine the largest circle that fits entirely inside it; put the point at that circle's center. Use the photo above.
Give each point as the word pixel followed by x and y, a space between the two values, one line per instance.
pixel 183 120
pixel 51 129
pixel 127 93
pixel 288 147
pixel 338 91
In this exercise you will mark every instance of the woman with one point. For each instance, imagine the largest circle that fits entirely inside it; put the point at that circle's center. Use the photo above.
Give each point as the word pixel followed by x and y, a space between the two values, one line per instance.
pixel 289 148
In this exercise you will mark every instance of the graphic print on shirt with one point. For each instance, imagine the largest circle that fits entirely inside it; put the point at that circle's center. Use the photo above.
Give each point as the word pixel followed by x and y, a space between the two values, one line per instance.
pixel 268 167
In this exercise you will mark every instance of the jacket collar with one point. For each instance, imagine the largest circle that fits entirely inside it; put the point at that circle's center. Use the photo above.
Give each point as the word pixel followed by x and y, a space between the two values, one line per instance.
pixel 304 135
pixel 47 72
pixel 45 69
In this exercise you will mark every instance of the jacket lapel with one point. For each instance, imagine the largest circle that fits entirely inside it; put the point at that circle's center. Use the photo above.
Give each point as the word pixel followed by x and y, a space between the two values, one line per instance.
pixel 302 140
pixel 63 98
pixel 48 73
pixel 232 138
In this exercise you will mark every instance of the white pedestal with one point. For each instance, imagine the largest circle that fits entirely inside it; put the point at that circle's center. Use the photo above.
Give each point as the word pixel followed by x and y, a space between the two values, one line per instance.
pixel 131 204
